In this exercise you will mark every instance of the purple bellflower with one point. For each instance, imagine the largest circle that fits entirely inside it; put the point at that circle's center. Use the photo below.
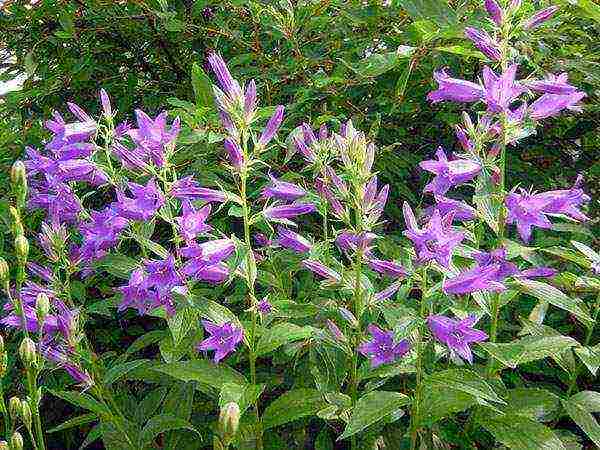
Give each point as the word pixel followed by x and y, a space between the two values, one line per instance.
pixel 188 188
pixel 144 204
pixel 289 239
pixel 540 17
pixel 501 90
pixel 526 210
pixel 236 157
pixel 495 11
pixel 101 233
pixel 434 242
pixel 552 84
pixel 288 211
pixel 445 205
pixel 448 173
pixel 389 268
pixel 454 89
pixel 192 222
pixel 264 306
pixel 152 138
pixel 271 128
pixel 282 190
pixel 223 339
pixel 550 105
pixel 226 82
pixel 484 42
pixel 321 270
pixel 382 349
pixel 458 335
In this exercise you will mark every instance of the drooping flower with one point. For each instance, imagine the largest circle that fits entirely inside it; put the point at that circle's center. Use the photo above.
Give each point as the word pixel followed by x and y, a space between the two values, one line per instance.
pixel 552 84
pixel 322 270
pixel 162 274
pixel 101 233
pixel 458 335
pixel 146 201
pixel 448 173
pixel 205 260
pixel 454 89
pixel 236 157
pixel 526 210
pixel 188 189
pixel 79 170
pixel 540 17
pixel 445 206
pixel 389 268
pixel 289 239
pixel 567 201
pixel 550 105
pixel 192 222
pixel 382 349
pixel 271 128
pixel 288 211
pixel 223 339
pixel 58 199
pixel 282 190
pixel 436 241
pixel 484 42
pixel 348 241
pixel 495 11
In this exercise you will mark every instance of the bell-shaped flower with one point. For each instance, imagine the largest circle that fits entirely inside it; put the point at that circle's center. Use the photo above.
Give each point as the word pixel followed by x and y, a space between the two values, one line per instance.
pixel 448 173
pixel 457 335
pixel 381 348
pixel 223 339
pixel 454 89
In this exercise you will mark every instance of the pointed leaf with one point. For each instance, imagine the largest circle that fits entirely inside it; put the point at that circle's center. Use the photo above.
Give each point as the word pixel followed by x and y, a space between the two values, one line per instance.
pixel 161 424
pixel 293 405
pixel 583 418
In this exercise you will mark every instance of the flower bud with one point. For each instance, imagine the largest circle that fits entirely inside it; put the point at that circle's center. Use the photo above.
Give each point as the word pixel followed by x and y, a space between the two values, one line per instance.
pixel 27 352
pixel 22 247
pixel 4 270
pixel 4 445
pixel 26 413
pixel 17 226
pixel 14 408
pixel 42 306
pixel 18 174
pixel 3 364
pixel 1 344
pixel 16 441
pixel 229 419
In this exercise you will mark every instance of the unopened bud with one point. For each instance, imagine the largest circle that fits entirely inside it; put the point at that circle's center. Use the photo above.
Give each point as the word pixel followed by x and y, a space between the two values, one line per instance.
pixel 1 344
pixel 16 441
pixel 4 270
pixel 229 419
pixel 14 408
pixel 3 364
pixel 17 226
pixel 26 413
pixel 42 306
pixel 4 445
pixel 27 352
pixel 18 173
pixel 22 247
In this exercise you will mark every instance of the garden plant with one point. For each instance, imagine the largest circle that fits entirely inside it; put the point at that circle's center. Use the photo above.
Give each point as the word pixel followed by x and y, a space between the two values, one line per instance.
pixel 279 308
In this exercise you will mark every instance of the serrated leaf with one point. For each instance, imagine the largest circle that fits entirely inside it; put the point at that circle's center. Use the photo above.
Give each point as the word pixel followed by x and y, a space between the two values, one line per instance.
pixel 545 292
pixel 372 408
pixel 281 334
pixel 74 422
pixel 465 380
pixel 440 402
pixel 161 424
pixel 119 371
pixel 583 419
pixel 291 406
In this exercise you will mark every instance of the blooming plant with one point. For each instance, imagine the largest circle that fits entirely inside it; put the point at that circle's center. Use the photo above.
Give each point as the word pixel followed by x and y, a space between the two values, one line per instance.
pixel 388 346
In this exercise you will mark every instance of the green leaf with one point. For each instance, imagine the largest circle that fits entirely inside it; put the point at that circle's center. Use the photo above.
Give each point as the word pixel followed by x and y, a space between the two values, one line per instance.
pixel 540 347
pixel 407 68
pixel 509 354
pixel 464 380
pixel 181 323
pixel 463 51
pixel 379 63
pixel 84 401
pixel 281 334
pixel 589 400
pixel 119 371
pixel 536 404
pixel 92 436
pixel 117 264
pixel 583 418
pixel 161 424
pixel 145 340
pixel 589 9
pixel 243 395
pixel 590 356
pixel 202 371
pixel 568 254
pixel 372 408
pixel 519 433
pixel 545 292
pixel 293 405
pixel 74 422
pixel 440 402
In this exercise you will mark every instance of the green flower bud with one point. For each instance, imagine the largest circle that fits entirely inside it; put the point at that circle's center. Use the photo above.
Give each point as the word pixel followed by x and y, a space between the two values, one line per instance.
pixel 4 445
pixel 17 225
pixel 14 408
pixel 42 306
pixel 229 419
pixel 22 247
pixel 1 344
pixel 16 441
pixel 27 352
pixel 26 413
pixel 4 270
pixel 18 173
pixel 3 364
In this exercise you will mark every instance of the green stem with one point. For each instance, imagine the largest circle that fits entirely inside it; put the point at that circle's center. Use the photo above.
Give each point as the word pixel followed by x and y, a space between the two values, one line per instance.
pixel 4 412
pixel 357 301
pixel 588 338
pixel 35 410
pixel 414 420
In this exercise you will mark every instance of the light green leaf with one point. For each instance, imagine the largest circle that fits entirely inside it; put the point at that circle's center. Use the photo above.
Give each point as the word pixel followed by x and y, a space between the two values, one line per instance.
pixel 590 356
pixel 293 405
pixel 202 371
pixel 440 402
pixel 379 63
pixel 583 418
pixel 509 354
pixel 536 404
pixel 372 408
pixel 117 264
pixel 84 401
pixel 589 400
pixel 545 292
pixel 463 51
pixel 281 334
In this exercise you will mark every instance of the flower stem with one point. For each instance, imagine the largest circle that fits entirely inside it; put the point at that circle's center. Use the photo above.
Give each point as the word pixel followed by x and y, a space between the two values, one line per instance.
pixel 357 300
pixel 414 419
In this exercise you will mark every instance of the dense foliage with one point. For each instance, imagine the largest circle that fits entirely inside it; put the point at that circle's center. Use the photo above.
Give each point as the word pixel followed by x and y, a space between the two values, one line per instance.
pixel 234 274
